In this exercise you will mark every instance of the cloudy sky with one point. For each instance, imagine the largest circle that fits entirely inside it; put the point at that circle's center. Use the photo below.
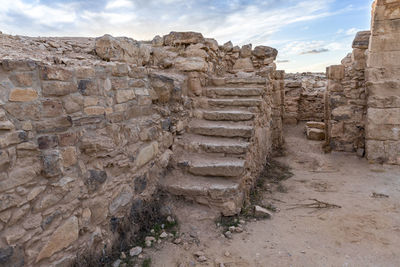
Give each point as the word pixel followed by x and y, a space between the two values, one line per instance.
pixel 309 34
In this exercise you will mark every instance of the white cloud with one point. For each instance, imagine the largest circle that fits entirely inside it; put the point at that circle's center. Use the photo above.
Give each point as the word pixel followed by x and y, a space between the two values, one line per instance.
pixel 114 4
pixel 352 31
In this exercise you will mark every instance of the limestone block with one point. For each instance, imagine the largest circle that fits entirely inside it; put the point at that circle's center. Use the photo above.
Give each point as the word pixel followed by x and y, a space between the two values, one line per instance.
pixel 64 236
pixel 23 95
pixel 55 73
pixel 95 178
pixel 163 86
pixel 244 64
pixel 94 110
pixel 384 59
pixel 191 64
pixel 196 50
pixel 382 131
pixel 59 124
pixel 89 87
pixel 122 199
pixel 69 156
pixel 122 96
pixel 13 234
pixel 316 125
pixel 265 52
pixel 57 88
pixel 22 79
pixel 375 151
pixel 13 138
pixel 67 139
pixel 120 70
pixel 342 113
pixel 52 108
pixel 51 162
pixel 245 51
pixel 47 141
pixel 212 44
pixel 72 103
pixel 146 154
pixel 315 134
pixel 384 116
pixel 362 40
pixel 335 72
pixel 183 38
pixel 119 49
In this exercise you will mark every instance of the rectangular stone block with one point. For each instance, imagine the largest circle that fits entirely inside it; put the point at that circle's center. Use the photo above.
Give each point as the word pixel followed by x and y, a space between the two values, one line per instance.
pixel 23 95
pixel 384 59
pixel 57 88
pixel 382 132
pixel 55 73
pixel 335 72
pixel 122 96
pixel 384 116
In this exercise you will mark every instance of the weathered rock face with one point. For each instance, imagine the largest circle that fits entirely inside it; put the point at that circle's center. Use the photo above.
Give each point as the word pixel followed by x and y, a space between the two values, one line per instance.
pixel 84 136
pixel 346 99
pixel 304 97
pixel 382 75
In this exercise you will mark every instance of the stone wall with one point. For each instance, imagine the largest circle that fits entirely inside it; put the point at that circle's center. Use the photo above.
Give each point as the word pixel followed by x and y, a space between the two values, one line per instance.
pixel 304 94
pixel 87 127
pixel 346 100
pixel 382 75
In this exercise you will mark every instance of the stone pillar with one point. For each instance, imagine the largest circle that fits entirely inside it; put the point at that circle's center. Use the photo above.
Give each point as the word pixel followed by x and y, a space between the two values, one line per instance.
pixel 383 72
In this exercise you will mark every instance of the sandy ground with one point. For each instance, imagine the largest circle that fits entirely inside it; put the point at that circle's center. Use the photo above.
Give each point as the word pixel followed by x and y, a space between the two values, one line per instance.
pixel 365 231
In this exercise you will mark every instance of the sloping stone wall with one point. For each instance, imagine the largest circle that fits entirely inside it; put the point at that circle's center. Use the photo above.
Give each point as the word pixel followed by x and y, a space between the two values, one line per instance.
pixel 85 136
pixel 383 83
pixel 347 98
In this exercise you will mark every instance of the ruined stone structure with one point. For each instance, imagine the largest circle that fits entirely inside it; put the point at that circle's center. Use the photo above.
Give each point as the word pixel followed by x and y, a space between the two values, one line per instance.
pixel 346 98
pixel 304 97
pixel 362 104
pixel 382 77
pixel 90 128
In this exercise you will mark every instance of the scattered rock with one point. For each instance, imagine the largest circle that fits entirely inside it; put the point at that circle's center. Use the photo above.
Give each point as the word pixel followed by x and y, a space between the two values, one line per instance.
pixel 163 235
pixel 135 251
pixel 228 234
pixel 260 212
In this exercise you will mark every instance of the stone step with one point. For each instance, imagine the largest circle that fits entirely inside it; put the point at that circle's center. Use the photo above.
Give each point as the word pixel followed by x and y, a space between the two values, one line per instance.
pixel 218 193
pixel 215 144
pixel 227 115
pixel 232 91
pixel 223 129
pixel 206 165
pixel 229 102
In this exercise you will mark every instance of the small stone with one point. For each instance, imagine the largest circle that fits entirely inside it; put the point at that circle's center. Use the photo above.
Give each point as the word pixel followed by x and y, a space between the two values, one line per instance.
pixel 232 229
pixel 238 229
pixel 199 253
pixel 261 212
pixel 116 263
pixel 227 254
pixel 123 255
pixel 148 243
pixel 177 241
pixel 163 235
pixel 135 251
pixel 228 234
pixel 202 259
pixel 170 219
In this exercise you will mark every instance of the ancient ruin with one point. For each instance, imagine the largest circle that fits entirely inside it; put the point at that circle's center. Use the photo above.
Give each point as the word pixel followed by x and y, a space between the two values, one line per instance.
pixel 92 128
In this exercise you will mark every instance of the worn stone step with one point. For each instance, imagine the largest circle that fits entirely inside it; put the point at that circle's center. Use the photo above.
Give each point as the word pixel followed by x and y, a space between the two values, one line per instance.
pixel 218 193
pixel 227 115
pixel 203 165
pixel 215 144
pixel 233 91
pixel 229 102
pixel 224 129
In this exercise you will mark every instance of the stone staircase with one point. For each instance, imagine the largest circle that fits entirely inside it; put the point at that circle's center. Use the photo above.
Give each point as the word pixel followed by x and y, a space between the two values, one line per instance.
pixel 211 159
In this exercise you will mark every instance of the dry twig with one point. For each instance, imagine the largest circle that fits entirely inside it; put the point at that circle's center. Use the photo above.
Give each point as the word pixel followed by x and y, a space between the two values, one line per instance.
pixel 316 204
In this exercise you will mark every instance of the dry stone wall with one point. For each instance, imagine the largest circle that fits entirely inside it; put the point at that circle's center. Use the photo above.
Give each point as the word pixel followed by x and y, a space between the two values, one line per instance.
pixel 87 127
pixel 383 83
pixel 346 99
pixel 304 97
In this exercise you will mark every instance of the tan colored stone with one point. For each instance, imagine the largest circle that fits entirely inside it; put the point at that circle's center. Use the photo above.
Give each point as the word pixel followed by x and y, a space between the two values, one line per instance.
pixel 191 64
pixel 57 88
pixel 64 236
pixel 122 96
pixel 23 95
pixel 243 64
pixel 12 235
pixel 94 110
pixel 69 157
pixel 146 154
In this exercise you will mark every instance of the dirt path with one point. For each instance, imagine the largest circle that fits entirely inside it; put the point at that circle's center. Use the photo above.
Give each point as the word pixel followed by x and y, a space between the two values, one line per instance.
pixel 364 232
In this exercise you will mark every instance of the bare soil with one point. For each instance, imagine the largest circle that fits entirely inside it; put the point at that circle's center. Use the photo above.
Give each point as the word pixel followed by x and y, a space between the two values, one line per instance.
pixel 364 230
